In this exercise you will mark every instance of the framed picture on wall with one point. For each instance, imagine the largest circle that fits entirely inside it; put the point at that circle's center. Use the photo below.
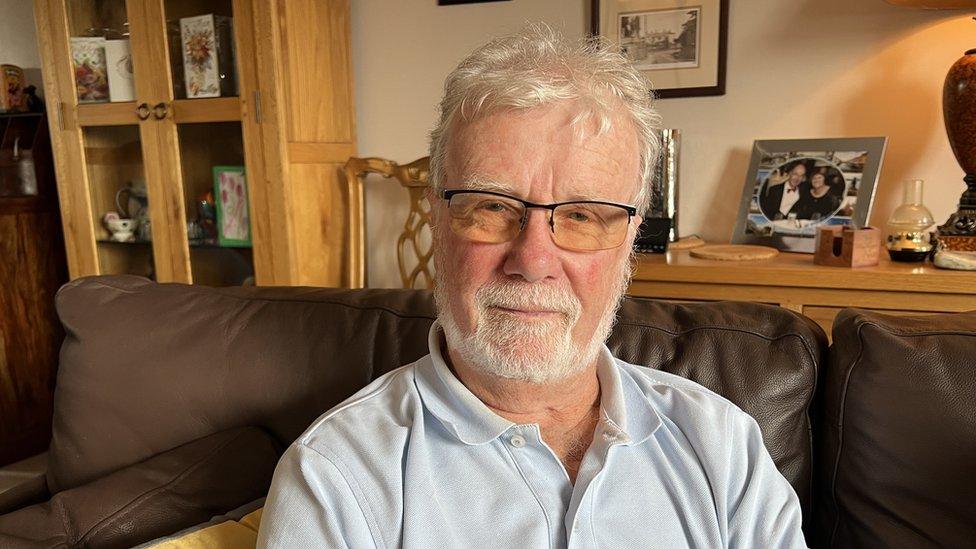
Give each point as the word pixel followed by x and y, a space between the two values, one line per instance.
pixel 679 45
pixel 233 217
pixel 794 186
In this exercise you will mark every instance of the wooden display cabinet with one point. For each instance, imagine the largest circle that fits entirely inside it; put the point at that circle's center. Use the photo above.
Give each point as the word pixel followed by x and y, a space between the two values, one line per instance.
pixel 291 125
pixel 32 268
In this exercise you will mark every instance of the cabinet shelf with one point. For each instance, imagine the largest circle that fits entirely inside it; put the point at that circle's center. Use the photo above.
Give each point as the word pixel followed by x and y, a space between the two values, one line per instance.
pixel 20 114
pixel 192 243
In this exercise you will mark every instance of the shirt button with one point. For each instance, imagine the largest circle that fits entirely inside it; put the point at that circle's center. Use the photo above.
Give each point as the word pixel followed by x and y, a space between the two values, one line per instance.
pixel 517 441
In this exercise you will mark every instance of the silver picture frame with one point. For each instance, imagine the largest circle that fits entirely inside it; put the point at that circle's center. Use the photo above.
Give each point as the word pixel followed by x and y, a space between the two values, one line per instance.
pixel 770 215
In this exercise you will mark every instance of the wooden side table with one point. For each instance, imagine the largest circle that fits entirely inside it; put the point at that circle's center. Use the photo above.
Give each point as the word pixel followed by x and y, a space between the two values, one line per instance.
pixel 792 280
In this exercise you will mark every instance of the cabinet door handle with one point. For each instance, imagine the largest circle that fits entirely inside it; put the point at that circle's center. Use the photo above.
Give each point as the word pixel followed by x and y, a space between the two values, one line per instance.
pixel 142 111
pixel 160 110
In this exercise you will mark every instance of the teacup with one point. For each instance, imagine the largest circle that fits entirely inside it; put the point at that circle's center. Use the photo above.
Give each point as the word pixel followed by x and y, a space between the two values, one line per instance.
pixel 122 229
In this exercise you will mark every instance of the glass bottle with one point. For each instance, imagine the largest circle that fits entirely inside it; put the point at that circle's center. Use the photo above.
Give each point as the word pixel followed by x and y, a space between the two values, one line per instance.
pixel 908 238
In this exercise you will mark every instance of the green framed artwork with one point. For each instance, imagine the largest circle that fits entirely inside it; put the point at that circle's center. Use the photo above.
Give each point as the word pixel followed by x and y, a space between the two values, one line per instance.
pixel 230 195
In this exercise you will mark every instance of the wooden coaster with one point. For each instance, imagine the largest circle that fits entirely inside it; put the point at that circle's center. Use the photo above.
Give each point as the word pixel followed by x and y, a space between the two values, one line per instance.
pixel 734 252
pixel 686 243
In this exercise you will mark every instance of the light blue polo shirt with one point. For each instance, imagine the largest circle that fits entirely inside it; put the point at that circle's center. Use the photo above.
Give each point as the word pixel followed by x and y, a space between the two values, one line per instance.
pixel 416 460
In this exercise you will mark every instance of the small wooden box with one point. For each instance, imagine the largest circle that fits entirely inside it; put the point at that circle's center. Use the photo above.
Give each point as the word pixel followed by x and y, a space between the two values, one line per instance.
pixel 839 246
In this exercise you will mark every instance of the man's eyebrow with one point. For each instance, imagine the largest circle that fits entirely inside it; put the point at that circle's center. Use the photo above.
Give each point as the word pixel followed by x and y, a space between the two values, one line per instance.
pixel 478 182
pixel 582 195
pixel 484 183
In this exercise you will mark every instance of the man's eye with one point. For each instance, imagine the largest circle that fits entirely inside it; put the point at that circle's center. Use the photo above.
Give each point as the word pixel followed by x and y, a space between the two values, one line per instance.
pixel 579 217
pixel 494 207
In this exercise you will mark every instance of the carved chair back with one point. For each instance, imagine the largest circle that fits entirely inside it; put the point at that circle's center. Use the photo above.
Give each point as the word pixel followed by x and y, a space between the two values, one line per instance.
pixel 414 244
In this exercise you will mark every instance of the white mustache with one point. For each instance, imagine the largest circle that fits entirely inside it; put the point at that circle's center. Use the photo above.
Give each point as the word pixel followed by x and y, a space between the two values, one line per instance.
pixel 529 297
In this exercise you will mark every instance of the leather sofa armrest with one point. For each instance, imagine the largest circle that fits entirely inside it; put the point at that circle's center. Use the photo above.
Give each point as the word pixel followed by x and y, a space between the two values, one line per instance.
pixel 23 483
pixel 165 493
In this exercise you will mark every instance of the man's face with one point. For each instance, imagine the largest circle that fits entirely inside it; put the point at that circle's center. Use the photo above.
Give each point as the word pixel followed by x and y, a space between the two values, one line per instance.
pixel 532 303
pixel 796 174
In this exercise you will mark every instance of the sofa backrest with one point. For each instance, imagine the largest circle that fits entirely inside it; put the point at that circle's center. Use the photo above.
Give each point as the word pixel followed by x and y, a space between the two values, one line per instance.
pixel 146 367
pixel 898 459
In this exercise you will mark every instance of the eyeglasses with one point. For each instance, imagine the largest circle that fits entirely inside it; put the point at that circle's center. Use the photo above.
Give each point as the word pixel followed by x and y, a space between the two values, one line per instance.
pixel 493 218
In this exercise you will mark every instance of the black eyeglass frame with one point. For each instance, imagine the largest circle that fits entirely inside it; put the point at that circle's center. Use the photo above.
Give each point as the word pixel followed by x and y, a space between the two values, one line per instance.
pixel 448 194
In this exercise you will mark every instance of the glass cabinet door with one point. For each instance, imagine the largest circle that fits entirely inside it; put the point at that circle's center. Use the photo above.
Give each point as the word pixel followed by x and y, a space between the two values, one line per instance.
pixel 206 124
pixel 98 101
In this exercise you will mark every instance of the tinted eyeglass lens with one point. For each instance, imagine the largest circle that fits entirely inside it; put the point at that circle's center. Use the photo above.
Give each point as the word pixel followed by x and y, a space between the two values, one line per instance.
pixel 486 218
pixel 588 226
pixel 580 226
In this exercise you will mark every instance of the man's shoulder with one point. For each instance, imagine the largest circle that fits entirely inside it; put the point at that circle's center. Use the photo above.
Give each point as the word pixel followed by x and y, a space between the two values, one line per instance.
pixel 706 419
pixel 668 391
pixel 389 404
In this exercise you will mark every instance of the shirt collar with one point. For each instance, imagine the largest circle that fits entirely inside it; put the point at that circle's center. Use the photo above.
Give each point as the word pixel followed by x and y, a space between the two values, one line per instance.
pixel 623 404
pixel 457 408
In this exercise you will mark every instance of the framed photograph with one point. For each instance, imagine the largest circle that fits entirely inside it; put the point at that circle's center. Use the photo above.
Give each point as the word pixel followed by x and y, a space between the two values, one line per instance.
pixel 794 186
pixel 230 195
pixel 679 45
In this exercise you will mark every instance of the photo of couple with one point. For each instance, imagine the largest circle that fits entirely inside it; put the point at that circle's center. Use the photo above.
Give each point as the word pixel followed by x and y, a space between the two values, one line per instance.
pixel 795 192
pixel 801 190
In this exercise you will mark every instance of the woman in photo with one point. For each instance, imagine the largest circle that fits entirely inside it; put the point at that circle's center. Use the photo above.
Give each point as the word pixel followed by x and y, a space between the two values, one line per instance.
pixel 819 201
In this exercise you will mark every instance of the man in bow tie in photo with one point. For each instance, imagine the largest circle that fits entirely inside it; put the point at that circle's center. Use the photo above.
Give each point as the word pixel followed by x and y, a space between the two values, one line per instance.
pixel 783 190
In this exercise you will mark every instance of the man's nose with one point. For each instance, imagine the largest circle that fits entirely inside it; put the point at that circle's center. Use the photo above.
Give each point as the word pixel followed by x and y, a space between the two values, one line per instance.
pixel 533 255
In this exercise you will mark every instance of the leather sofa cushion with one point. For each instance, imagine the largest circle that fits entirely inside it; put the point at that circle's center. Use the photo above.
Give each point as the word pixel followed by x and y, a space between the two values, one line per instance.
pixel 899 456
pixel 168 363
pixel 191 360
pixel 173 490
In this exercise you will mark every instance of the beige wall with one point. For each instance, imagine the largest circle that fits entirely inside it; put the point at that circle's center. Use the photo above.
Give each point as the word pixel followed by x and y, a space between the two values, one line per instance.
pixel 797 69
pixel 18 40
pixel 823 68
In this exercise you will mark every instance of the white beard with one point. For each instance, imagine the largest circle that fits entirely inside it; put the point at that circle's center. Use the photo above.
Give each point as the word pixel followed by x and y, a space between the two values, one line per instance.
pixel 536 351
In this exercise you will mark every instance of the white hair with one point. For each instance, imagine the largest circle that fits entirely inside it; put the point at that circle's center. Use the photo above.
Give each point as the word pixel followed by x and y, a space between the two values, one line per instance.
pixel 537 66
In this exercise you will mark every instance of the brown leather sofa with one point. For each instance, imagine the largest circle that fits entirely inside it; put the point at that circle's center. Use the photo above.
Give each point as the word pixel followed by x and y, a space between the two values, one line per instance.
pixel 173 403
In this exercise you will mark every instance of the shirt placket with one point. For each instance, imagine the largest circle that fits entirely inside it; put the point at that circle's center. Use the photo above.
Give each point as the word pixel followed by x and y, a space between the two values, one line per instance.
pixel 544 475
pixel 578 522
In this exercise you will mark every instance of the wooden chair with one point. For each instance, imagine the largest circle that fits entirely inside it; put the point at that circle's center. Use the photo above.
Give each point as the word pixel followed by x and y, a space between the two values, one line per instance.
pixel 410 247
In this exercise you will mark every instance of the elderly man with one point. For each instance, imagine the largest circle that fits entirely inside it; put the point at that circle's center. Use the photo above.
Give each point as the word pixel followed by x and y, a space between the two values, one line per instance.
pixel 519 429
